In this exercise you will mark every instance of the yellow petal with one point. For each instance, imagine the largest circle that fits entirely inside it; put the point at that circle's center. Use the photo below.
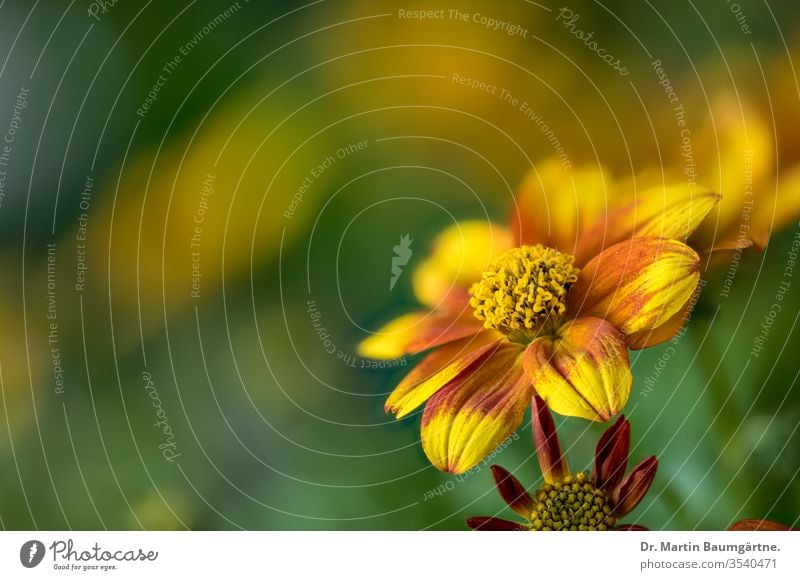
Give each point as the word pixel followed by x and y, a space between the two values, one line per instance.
pixel 636 285
pixel 437 370
pixel 673 211
pixel 417 332
pixel 460 254
pixel 391 341
pixel 470 417
pixel 582 371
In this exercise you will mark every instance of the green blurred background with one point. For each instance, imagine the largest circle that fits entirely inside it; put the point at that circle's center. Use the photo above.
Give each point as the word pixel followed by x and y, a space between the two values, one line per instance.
pixel 270 430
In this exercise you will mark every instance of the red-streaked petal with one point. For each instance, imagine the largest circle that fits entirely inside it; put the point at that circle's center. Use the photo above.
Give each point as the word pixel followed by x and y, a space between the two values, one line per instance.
pixel 489 524
pixel 654 336
pixel 758 526
pixel 512 491
pixel 471 416
pixel 636 285
pixel 634 487
pixel 665 211
pixel 439 368
pixel 417 332
pixel 611 454
pixel 582 371
pixel 548 450
pixel 441 328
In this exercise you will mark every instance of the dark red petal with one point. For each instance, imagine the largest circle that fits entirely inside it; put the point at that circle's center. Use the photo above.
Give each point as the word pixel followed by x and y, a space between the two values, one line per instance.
pixel 611 454
pixel 631 528
pixel 758 526
pixel 552 462
pixel 487 524
pixel 512 491
pixel 634 487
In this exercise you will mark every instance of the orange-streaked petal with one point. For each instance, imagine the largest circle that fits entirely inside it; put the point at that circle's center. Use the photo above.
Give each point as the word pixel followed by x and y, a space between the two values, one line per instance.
pixel 417 332
pixel 611 454
pixel 636 285
pixel 468 418
pixel 548 450
pixel 722 252
pixel 438 369
pixel 730 245
pixel 758 526
pixel 442 327
pixel 634 487
pixel 653 336
pixel 489 524
pixel 460 254
pixel 582 371
pixel 673 211
pixel 512 491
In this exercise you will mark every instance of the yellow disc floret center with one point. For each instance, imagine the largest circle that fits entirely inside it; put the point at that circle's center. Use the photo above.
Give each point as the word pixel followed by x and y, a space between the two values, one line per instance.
pixel 571 504
pixel 523 290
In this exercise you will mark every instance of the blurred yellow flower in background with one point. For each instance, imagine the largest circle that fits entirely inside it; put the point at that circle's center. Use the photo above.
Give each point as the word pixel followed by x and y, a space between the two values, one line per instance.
pixel 735 155
pixel 206 208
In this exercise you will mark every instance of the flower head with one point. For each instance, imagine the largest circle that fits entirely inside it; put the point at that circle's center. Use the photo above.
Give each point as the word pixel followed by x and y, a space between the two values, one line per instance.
pixel 523 290
pixel 535 311
pixel 567 501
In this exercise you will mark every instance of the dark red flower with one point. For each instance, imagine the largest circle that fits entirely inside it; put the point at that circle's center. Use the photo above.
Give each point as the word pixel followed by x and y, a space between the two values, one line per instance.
pixel 595 501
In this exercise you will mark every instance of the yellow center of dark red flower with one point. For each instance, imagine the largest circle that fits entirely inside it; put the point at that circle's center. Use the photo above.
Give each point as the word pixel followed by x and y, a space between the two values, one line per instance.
pixel 523 290
pixel 571 504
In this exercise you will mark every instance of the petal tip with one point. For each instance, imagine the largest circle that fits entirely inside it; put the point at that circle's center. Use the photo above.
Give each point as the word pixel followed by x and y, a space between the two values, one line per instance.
pixel 391 410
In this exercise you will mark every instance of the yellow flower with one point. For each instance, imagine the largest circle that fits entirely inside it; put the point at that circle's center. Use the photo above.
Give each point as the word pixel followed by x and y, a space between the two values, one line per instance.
pixel 553 315
pixel 738 159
